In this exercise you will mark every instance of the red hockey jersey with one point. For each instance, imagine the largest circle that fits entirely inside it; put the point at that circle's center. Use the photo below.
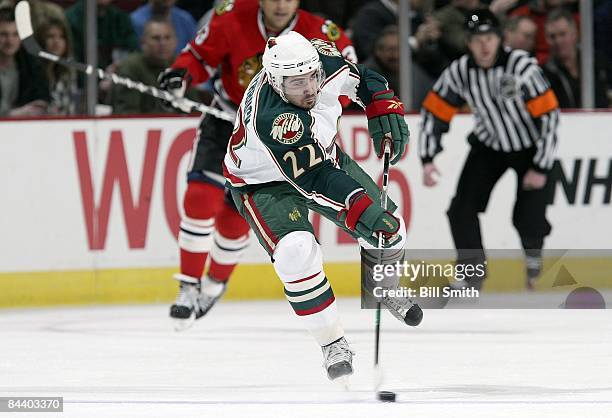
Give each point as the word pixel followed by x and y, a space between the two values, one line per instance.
pixel 235 39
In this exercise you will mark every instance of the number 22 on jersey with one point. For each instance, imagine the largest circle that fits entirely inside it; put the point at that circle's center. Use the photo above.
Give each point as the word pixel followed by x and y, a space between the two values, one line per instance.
pixel 312 160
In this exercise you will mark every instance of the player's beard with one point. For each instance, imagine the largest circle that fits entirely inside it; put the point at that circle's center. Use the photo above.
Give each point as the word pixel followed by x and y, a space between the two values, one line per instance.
pixel 309 102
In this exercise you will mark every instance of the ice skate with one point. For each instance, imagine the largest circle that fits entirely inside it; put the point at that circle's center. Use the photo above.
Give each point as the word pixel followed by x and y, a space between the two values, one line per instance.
pixel 194 300
pixel 211 291
pixel 186 306
pixel 404 309
pixel 533 269
pixel 338 361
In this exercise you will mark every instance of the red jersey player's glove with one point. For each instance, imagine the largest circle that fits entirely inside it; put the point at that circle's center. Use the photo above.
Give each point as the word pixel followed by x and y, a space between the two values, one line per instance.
pixel 370 220
pixel 174 81
pixel 386 123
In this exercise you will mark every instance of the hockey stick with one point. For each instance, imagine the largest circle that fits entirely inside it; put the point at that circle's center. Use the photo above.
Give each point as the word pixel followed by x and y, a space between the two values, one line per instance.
pixel 381 239
pixel 26 34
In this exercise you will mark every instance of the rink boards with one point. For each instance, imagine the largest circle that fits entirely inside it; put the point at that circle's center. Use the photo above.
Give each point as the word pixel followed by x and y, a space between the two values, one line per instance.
pixel 91 207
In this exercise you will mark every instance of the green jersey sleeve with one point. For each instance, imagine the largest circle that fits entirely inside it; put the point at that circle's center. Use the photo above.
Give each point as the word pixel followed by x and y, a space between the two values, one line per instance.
pixel 359 82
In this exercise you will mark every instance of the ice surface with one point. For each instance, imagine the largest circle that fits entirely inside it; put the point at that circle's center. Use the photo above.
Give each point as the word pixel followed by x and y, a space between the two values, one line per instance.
pixel 251 359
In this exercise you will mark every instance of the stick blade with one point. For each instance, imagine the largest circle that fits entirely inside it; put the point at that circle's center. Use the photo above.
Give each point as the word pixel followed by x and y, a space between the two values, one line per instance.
pixel 24 27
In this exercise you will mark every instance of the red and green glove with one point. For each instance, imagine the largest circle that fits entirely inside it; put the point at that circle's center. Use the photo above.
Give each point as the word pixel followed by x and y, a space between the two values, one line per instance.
pixel 386 123
pixel 370 220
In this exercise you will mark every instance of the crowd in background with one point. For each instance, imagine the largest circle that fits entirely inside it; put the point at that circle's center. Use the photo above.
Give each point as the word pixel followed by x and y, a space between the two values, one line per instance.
pixel 138 39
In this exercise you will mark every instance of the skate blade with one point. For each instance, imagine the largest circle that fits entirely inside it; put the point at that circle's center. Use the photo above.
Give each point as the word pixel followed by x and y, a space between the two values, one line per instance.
pixel 183 324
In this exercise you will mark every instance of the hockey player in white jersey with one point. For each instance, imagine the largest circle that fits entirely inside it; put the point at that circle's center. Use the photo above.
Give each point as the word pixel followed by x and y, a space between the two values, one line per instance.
pixel 282 160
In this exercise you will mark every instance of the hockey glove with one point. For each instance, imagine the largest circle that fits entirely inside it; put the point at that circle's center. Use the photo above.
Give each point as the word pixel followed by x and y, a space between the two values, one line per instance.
pixel 386 119
pixel 175 81
pixel 370 220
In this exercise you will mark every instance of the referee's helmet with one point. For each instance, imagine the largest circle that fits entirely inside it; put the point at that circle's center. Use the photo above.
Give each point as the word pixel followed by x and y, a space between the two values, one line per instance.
pixel 481 21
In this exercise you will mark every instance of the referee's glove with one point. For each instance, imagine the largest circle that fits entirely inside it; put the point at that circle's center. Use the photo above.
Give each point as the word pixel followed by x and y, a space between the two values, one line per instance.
pixel 386 118
pixel 370 220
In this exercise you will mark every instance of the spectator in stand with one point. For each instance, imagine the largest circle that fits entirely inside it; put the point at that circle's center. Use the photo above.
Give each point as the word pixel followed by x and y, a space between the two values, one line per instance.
pixel 372 18
pixel 440 39
pixel 385 56
pixel 603 33
pixel 428 59
pixel 385 60
pixel 338 11
pixel 520 33
pixel 40 11
pixel 537 10
pixel 563 65
pixel 451 19
pixel 425 44
pixel 116 37
pixel 24 90
pixel 184 25
pixel 196 8
pixel 53 36
pixel 158 44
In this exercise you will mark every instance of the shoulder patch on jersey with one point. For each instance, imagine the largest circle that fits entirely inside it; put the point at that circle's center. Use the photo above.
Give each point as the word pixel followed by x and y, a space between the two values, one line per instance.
pixel 287 128
pixel 325 48
pixel 332 30
pixel 224 7
pixel 247 70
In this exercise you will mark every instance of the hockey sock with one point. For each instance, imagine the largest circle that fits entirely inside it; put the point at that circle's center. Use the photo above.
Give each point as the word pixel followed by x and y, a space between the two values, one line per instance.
pixel 230 240
pixel 201 203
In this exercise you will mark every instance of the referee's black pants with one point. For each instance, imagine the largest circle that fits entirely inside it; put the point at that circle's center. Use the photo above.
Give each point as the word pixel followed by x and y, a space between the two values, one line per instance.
pixel 483 168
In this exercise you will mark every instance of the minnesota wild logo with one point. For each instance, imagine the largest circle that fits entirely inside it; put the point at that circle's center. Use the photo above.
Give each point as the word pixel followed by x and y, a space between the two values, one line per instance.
pixel 325 48
pixel 287 128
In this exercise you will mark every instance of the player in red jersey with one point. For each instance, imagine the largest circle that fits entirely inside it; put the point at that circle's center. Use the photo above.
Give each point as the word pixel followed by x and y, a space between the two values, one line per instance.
pixel 234 40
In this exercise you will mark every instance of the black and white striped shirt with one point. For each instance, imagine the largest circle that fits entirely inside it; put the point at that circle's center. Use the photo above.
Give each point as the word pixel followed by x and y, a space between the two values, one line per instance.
pixel 512 102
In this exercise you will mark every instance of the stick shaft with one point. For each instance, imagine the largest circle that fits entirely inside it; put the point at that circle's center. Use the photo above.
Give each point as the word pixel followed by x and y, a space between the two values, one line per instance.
pixel 137 85
pixel 26 34
pixel 383 202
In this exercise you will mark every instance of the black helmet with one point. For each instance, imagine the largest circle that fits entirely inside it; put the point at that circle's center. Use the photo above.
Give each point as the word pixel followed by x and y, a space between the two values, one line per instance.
pixel 481 21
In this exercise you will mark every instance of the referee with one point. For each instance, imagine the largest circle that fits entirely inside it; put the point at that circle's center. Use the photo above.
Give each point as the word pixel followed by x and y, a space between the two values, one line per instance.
pixel 516 115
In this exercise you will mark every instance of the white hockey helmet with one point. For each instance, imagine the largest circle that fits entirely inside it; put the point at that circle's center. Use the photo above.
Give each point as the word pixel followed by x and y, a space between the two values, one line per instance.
pixel 290 55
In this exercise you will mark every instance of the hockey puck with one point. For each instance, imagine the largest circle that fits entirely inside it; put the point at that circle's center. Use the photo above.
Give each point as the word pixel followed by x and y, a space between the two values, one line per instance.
pixel 385 396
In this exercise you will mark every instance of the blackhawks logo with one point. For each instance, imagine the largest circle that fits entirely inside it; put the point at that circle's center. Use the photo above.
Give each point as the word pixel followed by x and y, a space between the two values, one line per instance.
pixel 248 69
pixel 325 48
pixel 331 30
pixel 287 128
